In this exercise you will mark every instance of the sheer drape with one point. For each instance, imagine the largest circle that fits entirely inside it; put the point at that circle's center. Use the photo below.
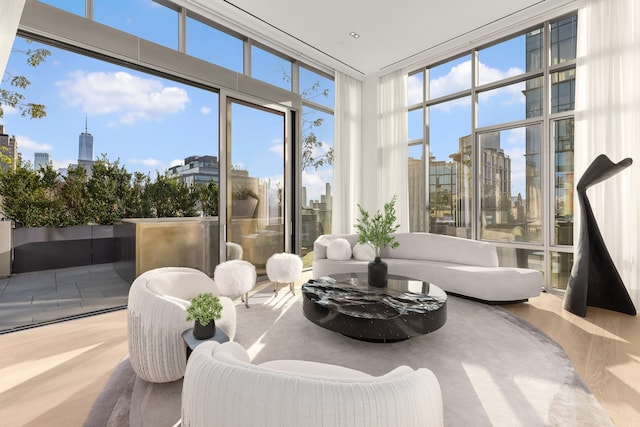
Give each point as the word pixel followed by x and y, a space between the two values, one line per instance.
pixel 608 122
pixel 347 153
pixel 392 144
pixel 10 12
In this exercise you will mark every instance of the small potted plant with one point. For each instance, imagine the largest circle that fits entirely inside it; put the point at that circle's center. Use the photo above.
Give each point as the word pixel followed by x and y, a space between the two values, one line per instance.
pixel 377 231
pixel 204 310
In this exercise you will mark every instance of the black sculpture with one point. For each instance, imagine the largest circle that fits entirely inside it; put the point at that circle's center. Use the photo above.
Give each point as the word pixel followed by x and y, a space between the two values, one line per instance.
pixel 594 279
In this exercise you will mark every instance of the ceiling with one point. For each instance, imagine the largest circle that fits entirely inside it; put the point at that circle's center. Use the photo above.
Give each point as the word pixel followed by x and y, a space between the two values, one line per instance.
pixel 392 33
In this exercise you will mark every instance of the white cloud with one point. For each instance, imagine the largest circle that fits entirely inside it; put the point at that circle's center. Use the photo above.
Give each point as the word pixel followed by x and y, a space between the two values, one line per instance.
pixel 62 164
pixel 129 97
pixel 488 74
pixel 150 162
pixel 320 150
pixel 414 89
pixel 7 110
pixel 315 182
pixel 176 162
pixel 277 147
pixel 24 142
pixel 205 111
pixel 516 136
pixel 459 78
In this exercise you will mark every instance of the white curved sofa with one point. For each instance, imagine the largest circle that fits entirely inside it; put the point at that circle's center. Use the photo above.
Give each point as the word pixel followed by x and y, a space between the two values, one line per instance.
pixel 223 388
pixel 459 266
pixel 157 316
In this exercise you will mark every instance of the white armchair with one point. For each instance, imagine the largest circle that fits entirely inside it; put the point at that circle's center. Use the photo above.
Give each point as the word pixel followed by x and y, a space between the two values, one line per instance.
pixel 220 380
pixel 156 318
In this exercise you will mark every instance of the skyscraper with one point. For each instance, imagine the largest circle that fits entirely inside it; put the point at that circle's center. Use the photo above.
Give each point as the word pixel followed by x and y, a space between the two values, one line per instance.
pixel 9 149
pixel 85 150
pixel 41 160
pixel 85 145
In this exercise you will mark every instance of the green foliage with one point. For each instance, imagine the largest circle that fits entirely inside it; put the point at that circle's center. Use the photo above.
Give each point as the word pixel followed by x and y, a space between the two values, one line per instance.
pixel 168 198
pixel 30 197
pixel 138 206
pixel 74 197
pixel 14 97
pixel 310 142
pixel 45 199
pixel 207 196
pixel 378 230
pixel 204 308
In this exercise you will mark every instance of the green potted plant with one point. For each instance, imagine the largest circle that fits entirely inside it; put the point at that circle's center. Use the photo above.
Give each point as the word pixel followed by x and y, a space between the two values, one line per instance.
pixel 204 310
pixel 377 231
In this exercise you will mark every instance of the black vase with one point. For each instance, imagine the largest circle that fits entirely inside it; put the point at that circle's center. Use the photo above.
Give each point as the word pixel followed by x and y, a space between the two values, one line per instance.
pixel 204 332
pixel 378 273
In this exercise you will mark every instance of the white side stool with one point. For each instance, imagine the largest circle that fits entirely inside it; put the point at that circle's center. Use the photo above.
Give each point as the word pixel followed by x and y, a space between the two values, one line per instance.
pixel 284 268
pixel 235 277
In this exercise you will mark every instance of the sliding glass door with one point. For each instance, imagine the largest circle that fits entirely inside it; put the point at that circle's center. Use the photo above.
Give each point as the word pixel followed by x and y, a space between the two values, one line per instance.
pixel 256 189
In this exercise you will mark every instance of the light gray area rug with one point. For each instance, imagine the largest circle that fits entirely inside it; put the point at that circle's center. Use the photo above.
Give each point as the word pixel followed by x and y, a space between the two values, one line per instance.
pixel 494 369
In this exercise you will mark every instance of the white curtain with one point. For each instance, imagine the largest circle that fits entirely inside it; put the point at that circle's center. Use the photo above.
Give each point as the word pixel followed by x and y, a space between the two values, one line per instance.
pixel 608 122
pixel 347 153
pixel 392 144
pixel 10 12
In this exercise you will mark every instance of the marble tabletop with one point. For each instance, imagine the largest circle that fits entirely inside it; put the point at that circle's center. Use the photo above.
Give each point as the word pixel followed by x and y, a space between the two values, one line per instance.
pixel 345 303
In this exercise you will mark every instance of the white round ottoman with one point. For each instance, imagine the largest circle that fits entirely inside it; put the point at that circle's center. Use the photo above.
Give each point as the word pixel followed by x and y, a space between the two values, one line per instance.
pixel 235 277
pixel 284 268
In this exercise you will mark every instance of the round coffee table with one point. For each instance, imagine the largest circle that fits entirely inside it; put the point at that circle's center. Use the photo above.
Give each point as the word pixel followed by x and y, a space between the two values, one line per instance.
pixel 345 303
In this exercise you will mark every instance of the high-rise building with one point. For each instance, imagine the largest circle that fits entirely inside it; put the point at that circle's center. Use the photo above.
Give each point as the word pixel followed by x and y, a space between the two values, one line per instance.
pixel 85 145
pixel 41 160
pixel 85 150
pixel 9 150
pixel 196 170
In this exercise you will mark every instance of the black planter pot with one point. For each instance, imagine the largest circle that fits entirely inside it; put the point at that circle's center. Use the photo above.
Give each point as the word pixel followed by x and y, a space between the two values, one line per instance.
pixel 204 332
pixel 378 273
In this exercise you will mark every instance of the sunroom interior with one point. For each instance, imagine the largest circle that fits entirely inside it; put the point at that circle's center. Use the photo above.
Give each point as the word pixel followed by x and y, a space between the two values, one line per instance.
pixel 406 97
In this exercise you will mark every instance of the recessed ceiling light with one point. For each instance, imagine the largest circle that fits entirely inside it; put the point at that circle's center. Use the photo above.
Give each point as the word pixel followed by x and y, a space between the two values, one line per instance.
pixel 354 35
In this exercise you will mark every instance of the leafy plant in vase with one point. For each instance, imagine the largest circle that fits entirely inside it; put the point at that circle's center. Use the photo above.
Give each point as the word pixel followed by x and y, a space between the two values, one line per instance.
pixel 204 310
pixel 377 231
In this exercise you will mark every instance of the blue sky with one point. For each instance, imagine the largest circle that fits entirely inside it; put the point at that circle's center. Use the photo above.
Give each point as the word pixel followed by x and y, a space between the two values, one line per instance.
pixel 150 123
pixel 451 120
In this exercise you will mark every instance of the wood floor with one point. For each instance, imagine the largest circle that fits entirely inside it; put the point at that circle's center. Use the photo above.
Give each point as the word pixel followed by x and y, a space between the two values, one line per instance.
pixel 50 376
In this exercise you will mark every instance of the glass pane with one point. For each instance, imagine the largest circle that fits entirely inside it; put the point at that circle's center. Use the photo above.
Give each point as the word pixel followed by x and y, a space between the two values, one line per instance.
pixel 450 77
pixel 450 168
pixel 73 6
pixel 563 167
pixel 510 58
pixel 523 258
pixel 256 182
pixel 317 88
pixel 270 68
pixel 563 40
pixel 563 91
pixel 416 124
pixel 134 119
pixel 415 88
pixel 215 46
pixel 317 178
pixel 510 190
pixel 416 188
pixel 146 19
pixel 517 101
pixel 561 264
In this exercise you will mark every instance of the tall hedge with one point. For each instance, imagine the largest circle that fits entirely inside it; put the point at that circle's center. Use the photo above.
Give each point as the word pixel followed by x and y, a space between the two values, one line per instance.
pixel 44 198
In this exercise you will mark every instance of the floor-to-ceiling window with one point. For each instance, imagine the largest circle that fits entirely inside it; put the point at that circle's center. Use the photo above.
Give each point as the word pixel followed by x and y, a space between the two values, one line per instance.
pixel 134 82
pixel 316 158
pixel 491 132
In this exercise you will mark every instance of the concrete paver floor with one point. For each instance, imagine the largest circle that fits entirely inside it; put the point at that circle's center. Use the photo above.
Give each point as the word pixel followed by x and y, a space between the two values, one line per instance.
pixel 41 297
